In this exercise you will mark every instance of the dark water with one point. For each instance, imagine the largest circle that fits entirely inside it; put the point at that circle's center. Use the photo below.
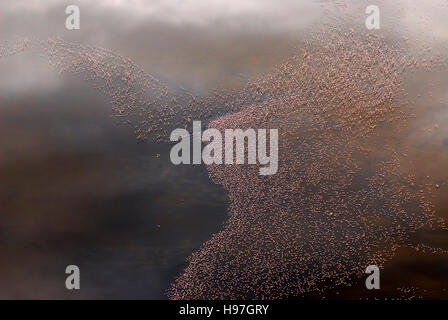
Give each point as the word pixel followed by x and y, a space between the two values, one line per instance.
pixel 78 189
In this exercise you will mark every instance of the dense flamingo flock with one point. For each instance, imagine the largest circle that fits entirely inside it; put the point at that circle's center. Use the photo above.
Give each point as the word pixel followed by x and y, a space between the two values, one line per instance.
pixel 340 200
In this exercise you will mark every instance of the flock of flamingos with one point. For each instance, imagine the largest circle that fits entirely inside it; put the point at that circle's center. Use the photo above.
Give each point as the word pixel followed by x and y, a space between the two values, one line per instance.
pixel 342 198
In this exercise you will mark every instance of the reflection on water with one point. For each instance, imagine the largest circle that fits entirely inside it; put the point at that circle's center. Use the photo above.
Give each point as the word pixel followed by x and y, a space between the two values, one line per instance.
pixel 76 189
